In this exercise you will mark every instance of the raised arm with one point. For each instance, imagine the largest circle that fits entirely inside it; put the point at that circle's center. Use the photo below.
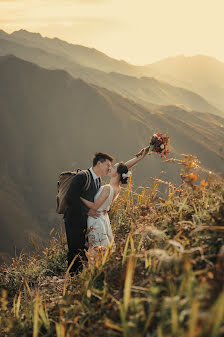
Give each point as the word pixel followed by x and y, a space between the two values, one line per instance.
pixel 130 163
pixel 100 200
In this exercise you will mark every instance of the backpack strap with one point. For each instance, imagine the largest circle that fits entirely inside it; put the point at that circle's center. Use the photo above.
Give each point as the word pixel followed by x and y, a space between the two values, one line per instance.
pixel 88 180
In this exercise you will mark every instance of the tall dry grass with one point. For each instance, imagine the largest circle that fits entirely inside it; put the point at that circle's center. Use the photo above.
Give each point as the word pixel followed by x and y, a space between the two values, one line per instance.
pixel 164 279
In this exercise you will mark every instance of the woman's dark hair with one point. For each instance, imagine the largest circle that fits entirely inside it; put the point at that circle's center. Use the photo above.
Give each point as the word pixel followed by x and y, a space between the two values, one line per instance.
pixel 122 168
pixel 102 157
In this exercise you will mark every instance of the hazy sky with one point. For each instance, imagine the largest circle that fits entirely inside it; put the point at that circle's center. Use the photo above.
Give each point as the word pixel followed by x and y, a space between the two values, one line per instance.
pixel 138 31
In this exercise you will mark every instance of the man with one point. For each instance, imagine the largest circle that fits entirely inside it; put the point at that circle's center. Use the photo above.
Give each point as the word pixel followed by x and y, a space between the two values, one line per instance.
pixel 75 216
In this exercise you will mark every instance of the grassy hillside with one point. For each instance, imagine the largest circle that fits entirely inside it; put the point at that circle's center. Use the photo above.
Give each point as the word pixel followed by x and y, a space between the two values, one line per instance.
pixel 164 279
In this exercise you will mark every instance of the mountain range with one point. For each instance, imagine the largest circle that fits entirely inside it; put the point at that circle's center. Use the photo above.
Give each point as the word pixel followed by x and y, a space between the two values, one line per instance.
pixel 202 74
pixel 130 81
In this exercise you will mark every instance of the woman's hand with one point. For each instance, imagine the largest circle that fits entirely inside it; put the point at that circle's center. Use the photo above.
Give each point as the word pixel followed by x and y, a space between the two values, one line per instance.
pixel 143 152
pixel 130 163
pixel 93 214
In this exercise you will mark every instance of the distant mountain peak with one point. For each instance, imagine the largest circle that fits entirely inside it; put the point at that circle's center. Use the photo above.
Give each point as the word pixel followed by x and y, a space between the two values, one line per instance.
pixel 12 59
pixel 3 33
pixel 26 34
pixel 197 57
pixel 188 59
pixel 4 58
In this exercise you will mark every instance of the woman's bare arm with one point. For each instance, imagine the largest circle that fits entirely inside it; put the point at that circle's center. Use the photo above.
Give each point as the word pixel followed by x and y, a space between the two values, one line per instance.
pixel 99 202
pixel 130 163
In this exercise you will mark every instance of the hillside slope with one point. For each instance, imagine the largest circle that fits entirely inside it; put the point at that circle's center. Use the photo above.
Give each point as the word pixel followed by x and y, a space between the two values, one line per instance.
pixel 202 74
pixel 165 277
pixel 51 122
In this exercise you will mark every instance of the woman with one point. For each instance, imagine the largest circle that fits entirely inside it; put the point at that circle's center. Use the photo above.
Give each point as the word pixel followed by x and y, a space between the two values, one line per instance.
pixel 99 230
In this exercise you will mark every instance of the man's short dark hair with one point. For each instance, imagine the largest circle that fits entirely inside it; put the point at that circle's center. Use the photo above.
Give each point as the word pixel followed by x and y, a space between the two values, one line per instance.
pixel 102 157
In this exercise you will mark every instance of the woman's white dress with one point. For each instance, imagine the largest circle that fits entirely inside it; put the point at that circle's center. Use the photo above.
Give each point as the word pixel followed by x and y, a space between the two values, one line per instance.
pixel 99 230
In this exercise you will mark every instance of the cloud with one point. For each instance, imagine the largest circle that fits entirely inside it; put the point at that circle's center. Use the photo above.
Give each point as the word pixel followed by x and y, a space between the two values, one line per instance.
pixel 73 29
pixel 56 2
pixel 92 1
pixel 60 19
pixel 73 2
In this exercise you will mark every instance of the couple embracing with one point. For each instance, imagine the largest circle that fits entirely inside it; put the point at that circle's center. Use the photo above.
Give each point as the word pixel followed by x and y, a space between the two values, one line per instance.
pixel 88 203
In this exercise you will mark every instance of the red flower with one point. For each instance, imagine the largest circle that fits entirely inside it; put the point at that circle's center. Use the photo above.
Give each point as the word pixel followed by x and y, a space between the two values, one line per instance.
pixel 156 141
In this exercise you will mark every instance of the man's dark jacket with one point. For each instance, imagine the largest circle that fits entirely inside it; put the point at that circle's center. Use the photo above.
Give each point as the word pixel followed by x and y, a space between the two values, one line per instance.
pixel 75 217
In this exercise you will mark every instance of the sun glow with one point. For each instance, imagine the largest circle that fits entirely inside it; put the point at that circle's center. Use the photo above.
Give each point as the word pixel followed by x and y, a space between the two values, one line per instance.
pixel 139 32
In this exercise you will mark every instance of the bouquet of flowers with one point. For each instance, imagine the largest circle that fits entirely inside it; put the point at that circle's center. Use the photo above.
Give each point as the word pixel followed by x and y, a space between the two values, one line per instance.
pixel 159 144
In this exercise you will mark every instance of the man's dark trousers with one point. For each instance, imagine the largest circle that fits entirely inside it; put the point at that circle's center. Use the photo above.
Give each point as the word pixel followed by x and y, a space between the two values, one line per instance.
pixel 75 232
pixel 75 218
